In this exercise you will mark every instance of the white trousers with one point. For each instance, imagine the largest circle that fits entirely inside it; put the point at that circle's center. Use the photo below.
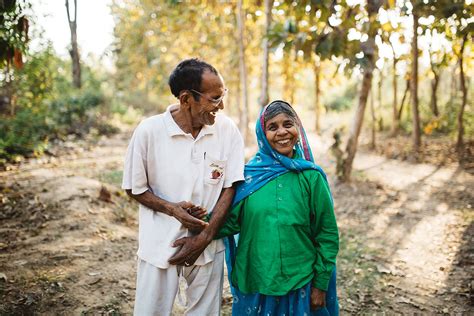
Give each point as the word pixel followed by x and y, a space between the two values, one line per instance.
pixel 157 288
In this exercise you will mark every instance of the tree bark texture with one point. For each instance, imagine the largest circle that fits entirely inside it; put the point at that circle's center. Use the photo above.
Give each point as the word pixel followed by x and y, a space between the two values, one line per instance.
pixel 372 112
pixel 434 97
pixel 407 90
pixel 74 51
pixel 416 134
pixel 395 118
pixel 243 70
pixel 462 80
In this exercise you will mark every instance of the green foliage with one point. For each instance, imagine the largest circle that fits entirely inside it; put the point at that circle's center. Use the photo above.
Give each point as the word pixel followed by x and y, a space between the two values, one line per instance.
pixel 24 134
pixel 48 107
pixel 75 113
pixel 344 101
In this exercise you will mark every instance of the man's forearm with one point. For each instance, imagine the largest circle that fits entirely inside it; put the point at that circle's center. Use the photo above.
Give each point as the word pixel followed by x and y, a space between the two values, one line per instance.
pixel 151 201
pixel 219 213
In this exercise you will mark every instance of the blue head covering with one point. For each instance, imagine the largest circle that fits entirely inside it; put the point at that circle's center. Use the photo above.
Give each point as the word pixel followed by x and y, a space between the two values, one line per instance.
pixel 268 164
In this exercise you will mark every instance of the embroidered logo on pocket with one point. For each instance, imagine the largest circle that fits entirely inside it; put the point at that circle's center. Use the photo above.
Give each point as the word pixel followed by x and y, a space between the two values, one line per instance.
pixel 216 171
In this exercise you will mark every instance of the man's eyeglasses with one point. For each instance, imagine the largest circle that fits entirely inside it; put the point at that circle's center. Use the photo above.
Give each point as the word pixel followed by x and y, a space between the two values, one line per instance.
pixel 213 101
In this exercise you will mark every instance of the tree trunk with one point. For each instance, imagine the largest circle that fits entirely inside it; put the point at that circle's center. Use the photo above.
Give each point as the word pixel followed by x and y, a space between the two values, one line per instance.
pixel 317 90
pixel 368 48
pixel 266 53
pixel 416 134
pixel 462 80
pixel 380 84
pixel 400 111
pixel 434 98
pixel 243 69
pixel 74 51
pixel 372 112
pixel 395 118
pixel 240 109
pixel 351 147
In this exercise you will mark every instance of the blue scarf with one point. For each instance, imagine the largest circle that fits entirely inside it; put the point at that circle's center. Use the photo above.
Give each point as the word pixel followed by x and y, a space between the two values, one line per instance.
pixel 268 164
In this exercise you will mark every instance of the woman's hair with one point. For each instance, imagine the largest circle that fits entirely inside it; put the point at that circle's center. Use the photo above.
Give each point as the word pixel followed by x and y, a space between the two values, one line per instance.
pixel 279 107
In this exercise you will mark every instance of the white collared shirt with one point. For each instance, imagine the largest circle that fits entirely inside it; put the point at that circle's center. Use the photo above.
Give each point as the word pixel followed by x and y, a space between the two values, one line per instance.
pixel 177 167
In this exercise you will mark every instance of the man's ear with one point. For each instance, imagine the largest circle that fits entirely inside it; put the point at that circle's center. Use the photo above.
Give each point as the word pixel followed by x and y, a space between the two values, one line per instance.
pixel 185 98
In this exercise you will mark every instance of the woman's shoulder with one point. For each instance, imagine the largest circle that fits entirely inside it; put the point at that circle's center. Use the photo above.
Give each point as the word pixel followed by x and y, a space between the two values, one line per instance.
pixel 312 173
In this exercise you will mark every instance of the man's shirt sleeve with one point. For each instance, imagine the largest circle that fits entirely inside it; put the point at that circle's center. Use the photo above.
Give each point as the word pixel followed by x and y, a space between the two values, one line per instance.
pixel 135 165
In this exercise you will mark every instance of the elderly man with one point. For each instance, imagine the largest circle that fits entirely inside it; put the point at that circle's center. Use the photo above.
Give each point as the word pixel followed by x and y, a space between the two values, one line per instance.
pixel 178 165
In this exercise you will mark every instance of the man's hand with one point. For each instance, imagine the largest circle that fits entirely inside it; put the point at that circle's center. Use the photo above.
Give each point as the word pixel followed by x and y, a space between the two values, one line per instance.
pixel 198 211
pixel 191 249
pixel 318 298
pixel 180 212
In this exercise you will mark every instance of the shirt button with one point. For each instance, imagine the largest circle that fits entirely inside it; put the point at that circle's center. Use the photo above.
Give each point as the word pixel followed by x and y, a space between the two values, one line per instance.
pixel 279 199
pixel 280 185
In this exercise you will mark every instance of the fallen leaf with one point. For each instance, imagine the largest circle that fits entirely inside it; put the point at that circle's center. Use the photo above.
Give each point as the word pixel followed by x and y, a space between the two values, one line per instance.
pixel 95 281
pixel 20 262
pixel 105 195
pixel 382 269
pixel 93 273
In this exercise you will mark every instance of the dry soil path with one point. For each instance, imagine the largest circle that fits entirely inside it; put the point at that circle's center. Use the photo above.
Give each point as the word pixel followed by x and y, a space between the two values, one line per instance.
pixel 68 235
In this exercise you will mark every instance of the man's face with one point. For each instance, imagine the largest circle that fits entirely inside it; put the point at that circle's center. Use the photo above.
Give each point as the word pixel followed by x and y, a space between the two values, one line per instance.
pixel 203 111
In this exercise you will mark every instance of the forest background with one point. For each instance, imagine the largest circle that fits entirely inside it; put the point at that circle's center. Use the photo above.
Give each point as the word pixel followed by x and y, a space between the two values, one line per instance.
pixel 390 79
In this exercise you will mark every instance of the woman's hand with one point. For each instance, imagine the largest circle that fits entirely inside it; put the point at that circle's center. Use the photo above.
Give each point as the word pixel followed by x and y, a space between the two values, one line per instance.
pixel 318 298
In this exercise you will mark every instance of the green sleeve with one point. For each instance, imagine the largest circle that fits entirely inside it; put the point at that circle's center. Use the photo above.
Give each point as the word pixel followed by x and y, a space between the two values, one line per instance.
pixel 232 223
pixel 325 232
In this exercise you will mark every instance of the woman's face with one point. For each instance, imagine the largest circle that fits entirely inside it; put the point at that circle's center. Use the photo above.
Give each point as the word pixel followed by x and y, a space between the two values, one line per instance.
pixel 282 134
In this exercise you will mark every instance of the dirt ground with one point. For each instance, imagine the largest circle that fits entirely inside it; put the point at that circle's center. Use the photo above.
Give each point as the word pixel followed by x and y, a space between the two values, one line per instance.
pixel 68 235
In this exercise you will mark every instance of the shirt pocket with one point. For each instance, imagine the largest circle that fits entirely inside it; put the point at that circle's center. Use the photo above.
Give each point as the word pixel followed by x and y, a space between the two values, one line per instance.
pixel 214 170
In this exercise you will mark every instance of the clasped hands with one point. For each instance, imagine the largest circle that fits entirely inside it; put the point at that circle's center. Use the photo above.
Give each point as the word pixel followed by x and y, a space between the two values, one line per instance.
pixel 191 216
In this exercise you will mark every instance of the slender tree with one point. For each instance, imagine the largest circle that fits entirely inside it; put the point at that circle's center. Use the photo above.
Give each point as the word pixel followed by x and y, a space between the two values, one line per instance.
pixel 369 50
pixel 243 70
pixel 264 97
pixel 462 79
pixel 395 118
pixel 317 92
pixel 74 50
pixel 416 133
pixel 373 123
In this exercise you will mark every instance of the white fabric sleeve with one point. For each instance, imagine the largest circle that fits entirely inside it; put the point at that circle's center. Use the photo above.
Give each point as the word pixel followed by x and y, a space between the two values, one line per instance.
pixel 236 160
pixel 135 165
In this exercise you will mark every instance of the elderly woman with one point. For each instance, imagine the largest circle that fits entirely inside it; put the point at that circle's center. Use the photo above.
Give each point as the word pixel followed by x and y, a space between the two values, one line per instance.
pixel 288 242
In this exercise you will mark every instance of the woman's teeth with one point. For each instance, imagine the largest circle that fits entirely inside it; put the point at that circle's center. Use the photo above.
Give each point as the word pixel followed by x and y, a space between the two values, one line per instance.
pixel 283 142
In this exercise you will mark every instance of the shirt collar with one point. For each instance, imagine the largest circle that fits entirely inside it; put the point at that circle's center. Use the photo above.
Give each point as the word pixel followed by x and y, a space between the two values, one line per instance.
pixel 173 128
